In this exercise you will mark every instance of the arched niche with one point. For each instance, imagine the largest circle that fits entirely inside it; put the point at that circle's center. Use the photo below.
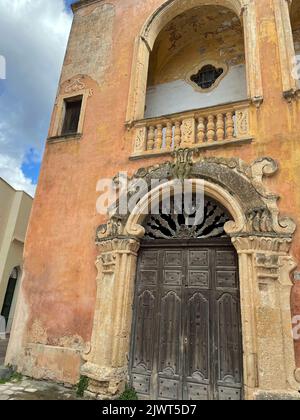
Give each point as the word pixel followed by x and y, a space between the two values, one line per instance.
pixel 197 62
pixel 244 9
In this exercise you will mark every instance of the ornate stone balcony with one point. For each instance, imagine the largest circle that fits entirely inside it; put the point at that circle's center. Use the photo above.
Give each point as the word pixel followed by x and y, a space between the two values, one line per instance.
pixel 207 128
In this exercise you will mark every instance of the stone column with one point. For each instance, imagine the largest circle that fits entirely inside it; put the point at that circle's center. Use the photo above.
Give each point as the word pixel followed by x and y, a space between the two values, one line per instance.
pixel 269 359
pixel 107 363
pixel 254 77
pixel 247 290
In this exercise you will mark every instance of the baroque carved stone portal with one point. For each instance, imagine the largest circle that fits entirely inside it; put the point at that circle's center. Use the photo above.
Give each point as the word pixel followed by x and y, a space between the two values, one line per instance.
pixel 262 239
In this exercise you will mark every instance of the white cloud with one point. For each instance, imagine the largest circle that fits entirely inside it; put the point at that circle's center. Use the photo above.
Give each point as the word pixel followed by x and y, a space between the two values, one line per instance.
pixel 10 171
pixel 33 37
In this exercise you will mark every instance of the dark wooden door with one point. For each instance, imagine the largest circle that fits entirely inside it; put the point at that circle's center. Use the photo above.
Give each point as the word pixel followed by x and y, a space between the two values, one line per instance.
pixel 186 341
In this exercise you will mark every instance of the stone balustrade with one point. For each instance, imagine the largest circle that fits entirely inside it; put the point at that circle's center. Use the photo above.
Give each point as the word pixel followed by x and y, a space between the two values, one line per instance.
pixel 205 128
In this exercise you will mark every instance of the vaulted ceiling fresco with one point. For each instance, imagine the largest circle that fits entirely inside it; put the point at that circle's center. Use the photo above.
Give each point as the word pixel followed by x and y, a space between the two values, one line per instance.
pixel 205 32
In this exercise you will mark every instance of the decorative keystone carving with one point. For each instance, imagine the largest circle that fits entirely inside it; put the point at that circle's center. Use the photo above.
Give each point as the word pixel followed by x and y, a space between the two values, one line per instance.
pixel 182 166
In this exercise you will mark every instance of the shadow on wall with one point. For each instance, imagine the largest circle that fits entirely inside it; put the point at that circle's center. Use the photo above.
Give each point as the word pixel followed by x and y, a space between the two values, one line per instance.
pixel 10 300
pixel 2 328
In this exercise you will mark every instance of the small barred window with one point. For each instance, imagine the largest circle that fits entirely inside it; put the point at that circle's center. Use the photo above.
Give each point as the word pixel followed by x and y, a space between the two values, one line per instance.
pixel 207 76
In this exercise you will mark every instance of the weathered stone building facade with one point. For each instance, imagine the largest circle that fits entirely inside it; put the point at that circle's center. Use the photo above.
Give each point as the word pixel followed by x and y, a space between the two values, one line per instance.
pixel 216 82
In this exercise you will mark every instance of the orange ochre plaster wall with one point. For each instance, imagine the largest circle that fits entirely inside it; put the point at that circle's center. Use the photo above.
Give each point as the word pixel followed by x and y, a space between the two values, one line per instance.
pixel 59 287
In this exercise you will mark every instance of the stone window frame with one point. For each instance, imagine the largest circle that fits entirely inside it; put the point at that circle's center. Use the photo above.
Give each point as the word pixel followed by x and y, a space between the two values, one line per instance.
pixel 213 62
pixel 56 132
pixel 144 43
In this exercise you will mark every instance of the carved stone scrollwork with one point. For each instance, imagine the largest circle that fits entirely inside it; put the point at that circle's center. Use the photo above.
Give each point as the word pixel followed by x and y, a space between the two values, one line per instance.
pixel 140 140
pixel 77 85
pixel 242 123
pixel 245 182
pixel 113 228
pixel 188 132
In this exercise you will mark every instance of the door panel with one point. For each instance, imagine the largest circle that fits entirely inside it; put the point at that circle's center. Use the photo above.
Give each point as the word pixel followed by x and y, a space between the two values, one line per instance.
pixel 197 356
pixel 228 343
pixel 186 341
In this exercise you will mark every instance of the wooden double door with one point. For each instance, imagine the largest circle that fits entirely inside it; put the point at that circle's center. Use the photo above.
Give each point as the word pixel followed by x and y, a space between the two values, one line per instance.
pixel 186 339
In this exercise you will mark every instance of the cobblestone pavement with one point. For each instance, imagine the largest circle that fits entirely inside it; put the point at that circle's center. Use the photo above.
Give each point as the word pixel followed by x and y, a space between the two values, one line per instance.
pixel 28 389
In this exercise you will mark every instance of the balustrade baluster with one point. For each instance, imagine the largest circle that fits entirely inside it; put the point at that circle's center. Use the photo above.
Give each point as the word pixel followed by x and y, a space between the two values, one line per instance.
pixel 151 137
pixel 229 125
pixel 177 134
pixel 169 135
pixel 211 128
pixel 159 137
pixel 201 130
pixel 220 127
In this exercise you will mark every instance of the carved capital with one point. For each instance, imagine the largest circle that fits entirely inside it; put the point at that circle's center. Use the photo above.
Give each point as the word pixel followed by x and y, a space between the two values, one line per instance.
pixel 110 249
pixel 118 245
pixel 253 244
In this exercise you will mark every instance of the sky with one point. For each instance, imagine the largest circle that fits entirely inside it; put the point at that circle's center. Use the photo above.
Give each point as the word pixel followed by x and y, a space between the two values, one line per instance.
pixel 33 39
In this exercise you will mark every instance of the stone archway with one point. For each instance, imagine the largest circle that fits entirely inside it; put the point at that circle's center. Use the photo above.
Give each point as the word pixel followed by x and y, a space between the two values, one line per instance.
pixel 262 240
pixel 244 9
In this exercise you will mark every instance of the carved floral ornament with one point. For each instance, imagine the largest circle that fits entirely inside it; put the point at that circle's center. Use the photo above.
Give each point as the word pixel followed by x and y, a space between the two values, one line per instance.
pixel 76 85
pixel 241 182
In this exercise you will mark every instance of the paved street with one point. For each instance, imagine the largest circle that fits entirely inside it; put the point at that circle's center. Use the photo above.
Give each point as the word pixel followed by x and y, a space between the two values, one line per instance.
pixel 27 389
